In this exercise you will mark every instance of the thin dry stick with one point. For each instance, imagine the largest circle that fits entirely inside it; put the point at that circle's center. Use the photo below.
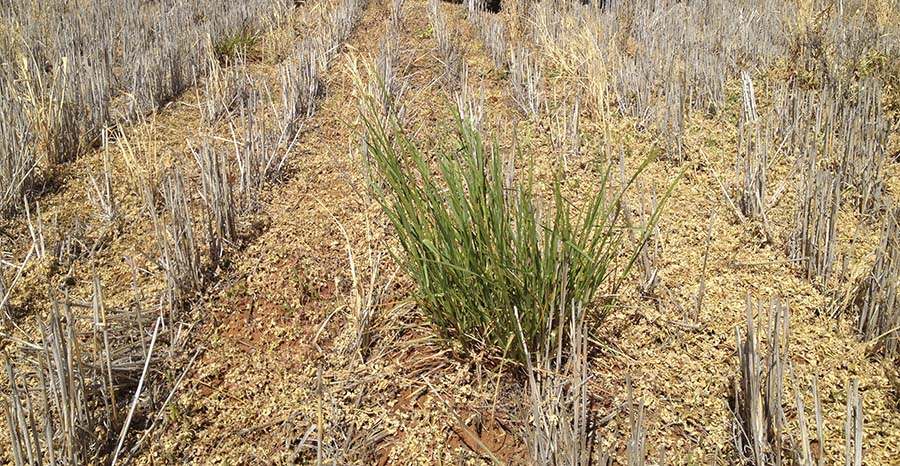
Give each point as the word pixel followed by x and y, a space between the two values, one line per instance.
pixel 137 303
pixel 165 403
pixel 771 262
pixel 320 431
pixel 737 212
pixel 702 290
pixel 820 426
pixel 100 311
pixel 9 288
pixel 137 393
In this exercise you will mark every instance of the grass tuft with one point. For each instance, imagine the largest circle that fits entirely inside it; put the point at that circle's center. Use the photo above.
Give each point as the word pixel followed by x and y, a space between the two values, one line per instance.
pixel 492 266
pixel 234 45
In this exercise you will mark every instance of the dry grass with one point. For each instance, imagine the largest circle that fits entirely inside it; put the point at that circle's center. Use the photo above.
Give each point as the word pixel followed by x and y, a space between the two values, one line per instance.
pixel 813 240
pixel 526 81
pixel 492 32
pixel 876 299
pixel 446 47
pixel 101 191
pixel 763 433
pixel 218 196
pixel 71 388
pixel 65 84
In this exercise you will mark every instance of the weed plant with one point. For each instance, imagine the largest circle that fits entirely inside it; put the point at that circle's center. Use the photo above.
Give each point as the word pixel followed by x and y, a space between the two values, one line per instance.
pixel 491 265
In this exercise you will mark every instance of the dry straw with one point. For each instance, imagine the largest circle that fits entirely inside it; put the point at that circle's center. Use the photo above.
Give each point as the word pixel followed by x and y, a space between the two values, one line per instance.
pixel 877 299
pixel 763 435
pixel 446 45
pixel 71 72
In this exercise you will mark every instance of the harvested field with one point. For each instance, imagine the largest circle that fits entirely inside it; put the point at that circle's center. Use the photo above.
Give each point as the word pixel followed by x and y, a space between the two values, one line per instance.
pixel 425 232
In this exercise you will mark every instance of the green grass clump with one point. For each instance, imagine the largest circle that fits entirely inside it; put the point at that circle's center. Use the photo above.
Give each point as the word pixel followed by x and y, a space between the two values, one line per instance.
pixel 493 268
pixel 227 48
